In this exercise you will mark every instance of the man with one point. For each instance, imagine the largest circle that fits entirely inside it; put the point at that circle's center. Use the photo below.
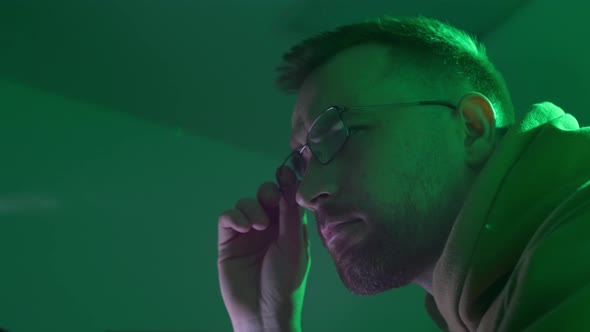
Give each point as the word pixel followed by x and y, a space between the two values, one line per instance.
pixel 493 224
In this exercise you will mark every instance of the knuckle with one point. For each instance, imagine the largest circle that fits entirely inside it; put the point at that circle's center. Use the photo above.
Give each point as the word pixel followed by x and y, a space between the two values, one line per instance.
pixel 245 203
pixel 227 216
pixel 249 207
pixel 252 210
pixel 268 193
pixel 234 218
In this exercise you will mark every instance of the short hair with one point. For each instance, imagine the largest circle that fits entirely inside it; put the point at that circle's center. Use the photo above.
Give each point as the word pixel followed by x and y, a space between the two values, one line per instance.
pixel 462 57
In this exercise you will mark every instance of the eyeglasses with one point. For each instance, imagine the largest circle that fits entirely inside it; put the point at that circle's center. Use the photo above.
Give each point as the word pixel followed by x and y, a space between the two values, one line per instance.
pixel 327 134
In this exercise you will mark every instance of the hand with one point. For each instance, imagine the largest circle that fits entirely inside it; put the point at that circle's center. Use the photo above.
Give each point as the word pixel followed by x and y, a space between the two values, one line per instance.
pixel 264 255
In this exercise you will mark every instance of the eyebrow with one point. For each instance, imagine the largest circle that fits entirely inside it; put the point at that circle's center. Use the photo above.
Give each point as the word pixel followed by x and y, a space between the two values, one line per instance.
pixel 292 142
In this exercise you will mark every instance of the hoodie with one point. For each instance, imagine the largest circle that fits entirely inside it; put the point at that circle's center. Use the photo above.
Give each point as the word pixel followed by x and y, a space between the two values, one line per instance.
pixel 518 255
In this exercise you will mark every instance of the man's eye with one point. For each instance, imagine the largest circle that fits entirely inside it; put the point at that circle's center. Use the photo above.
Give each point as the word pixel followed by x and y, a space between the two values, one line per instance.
pixel 318 139
pixel 299 164
pixel 327 132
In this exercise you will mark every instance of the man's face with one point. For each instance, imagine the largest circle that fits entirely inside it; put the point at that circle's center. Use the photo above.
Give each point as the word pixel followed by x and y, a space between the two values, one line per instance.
pixel 402 172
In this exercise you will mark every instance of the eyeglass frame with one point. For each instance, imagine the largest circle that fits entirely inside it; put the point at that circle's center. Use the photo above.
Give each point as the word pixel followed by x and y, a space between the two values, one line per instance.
pixel 341 109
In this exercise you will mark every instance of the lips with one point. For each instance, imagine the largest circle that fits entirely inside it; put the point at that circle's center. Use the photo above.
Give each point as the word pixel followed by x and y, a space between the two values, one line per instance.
pixel 332 229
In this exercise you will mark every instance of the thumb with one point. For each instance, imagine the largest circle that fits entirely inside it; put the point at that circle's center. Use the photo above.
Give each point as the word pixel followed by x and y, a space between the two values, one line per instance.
pixel 291 215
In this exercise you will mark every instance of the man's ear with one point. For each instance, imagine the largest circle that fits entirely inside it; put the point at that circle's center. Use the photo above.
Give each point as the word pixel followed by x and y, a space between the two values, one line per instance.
pixel 478 118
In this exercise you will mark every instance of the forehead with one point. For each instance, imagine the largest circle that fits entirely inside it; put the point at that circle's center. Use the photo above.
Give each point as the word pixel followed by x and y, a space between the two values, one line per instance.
pixel 352 77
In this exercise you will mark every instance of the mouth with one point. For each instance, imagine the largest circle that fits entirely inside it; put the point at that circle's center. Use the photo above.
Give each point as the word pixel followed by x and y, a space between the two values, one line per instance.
pixel 338 229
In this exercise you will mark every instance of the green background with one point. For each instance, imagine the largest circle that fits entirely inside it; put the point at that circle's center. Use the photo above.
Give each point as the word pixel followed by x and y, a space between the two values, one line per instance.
pixel 127 127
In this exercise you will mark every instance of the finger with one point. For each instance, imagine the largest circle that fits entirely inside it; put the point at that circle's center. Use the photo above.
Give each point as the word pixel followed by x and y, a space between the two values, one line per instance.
pixel 291 215
pixel 230 224
pixel 269 195
pixel 253 212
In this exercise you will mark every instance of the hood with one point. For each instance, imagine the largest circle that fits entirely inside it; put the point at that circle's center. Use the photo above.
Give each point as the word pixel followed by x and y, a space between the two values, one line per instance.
pixel 539 162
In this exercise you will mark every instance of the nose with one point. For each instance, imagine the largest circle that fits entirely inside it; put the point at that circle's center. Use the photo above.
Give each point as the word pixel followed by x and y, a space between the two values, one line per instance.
pixel 317 184
pixel 309 198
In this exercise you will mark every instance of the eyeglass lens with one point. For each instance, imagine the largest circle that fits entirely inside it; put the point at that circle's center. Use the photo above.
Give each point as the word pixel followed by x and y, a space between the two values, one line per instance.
pixel 325 138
